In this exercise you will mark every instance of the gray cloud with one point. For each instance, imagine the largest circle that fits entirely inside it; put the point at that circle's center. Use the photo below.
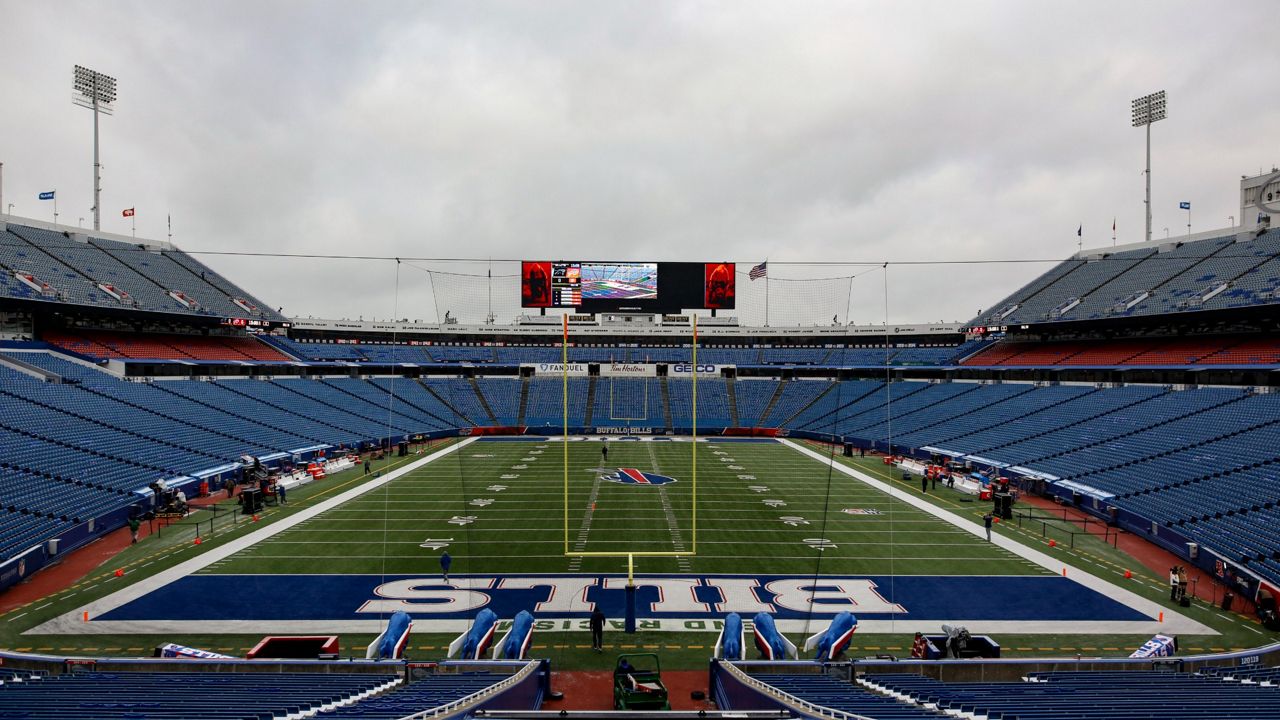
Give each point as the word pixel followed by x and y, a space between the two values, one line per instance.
pixel 807 132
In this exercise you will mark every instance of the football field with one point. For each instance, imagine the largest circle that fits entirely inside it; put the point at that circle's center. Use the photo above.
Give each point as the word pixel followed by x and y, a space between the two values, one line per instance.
pixel 780 527
pixel 500 506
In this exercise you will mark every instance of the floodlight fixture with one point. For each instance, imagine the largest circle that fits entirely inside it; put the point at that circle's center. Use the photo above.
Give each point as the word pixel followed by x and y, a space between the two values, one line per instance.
pixel 1146 110
pixel 1149 109
pixel 97 92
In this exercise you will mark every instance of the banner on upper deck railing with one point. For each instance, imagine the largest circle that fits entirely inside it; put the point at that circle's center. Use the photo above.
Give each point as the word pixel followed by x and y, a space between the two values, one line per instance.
pixel 703 369
pixel 628 370
pixel 572 369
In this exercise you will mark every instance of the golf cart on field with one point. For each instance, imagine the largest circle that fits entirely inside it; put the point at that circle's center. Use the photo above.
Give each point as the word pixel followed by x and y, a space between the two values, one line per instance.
pixel 639 686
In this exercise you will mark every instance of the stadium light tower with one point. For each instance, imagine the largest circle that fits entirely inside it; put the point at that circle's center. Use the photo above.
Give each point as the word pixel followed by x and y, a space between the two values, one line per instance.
pixel 1146 110
pixel 91 89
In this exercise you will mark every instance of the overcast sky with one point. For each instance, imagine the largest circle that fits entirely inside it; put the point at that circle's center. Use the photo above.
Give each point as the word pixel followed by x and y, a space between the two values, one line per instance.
pixel 811 132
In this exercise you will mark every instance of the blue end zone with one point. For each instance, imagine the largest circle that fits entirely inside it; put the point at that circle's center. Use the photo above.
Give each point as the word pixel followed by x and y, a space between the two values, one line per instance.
pixel 342 597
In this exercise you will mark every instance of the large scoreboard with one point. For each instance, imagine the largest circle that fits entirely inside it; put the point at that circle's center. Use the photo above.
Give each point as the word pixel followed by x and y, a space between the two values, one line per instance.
pixel 622 286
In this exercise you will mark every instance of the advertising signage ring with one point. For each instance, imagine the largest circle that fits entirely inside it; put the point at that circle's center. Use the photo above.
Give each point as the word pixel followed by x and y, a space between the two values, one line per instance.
pixel 599 286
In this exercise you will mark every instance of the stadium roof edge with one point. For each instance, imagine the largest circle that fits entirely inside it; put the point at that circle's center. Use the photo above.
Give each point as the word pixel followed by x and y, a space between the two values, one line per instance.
pixel 1157 242
pixel 708 331
pixel 85 232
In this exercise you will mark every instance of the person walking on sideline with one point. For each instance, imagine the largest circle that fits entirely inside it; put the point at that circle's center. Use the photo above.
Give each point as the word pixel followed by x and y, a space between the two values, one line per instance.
pixel 445 562
pixel 134 524
pixel 597 630
pixel 604 452
pixel 986 521
pixel 366 466
pixel 280 493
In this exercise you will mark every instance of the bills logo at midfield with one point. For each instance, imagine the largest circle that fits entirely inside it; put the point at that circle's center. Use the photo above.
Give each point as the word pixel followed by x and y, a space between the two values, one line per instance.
pixel 632 476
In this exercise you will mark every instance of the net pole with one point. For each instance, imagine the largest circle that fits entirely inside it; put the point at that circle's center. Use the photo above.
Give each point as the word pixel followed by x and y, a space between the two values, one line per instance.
pixel 564 405
pixel 694 517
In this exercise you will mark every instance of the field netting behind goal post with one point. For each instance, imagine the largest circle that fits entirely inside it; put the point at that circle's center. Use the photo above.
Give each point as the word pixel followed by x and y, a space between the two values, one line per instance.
pixel 473 292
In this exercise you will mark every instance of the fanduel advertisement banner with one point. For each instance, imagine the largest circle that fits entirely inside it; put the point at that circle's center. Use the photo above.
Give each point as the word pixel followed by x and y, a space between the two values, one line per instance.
pixel 628 370
pixel 573 369
pixel 704 369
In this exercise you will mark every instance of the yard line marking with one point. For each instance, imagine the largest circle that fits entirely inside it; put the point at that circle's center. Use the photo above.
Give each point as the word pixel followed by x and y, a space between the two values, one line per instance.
pixel 1174 622
pixel 70 623
pixel 584 530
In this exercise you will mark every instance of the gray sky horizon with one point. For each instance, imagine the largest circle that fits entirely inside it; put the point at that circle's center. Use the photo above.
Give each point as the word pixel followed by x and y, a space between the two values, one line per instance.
pixel 814 132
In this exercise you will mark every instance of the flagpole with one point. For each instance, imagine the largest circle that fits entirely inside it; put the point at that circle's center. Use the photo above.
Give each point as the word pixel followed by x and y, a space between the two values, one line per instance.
pixel 55 206
pixel 766 292
pixel 133 223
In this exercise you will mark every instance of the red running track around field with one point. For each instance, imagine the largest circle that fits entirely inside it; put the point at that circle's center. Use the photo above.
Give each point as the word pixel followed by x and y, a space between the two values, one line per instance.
pixel 70 569
pixel 74 566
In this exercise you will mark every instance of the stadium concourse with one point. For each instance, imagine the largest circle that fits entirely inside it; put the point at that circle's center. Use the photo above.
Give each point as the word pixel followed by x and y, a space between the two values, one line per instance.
pixel 1123 397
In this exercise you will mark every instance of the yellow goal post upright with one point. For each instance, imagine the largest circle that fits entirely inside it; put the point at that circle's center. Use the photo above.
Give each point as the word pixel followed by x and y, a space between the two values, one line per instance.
pixel 630 555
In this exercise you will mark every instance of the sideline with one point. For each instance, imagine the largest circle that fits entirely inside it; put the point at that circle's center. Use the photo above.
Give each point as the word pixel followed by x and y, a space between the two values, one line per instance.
pixel 72 623
pixel 1174 622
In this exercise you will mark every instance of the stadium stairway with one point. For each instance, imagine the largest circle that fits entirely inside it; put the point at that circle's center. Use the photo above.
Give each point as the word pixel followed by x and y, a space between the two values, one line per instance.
pixel 1212 402
pixel 782 412
pixel 316 398
pixel 524 400
pixel 503 397
pixel 365 396
pixel 132 425
pixel 1088 695
pixel 666 404
pixel 733 402
pixel 821 414
pixel 222 397
pixel 1188 446
pixel 484 403
pixel 592 382
pixel 962 416
pixel 908 410
pixel 772 403
pixel 835 695
pixel 965 434
pixel 160 695
pixel 1093 412
pixel 870 407
pixel 1027 414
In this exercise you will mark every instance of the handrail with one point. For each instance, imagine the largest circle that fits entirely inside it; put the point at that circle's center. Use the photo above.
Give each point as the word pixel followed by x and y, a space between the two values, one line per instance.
pixel 469 701
pixel 788 699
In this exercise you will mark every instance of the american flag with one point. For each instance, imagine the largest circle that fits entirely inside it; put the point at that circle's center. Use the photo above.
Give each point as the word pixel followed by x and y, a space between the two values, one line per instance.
pixel 759 271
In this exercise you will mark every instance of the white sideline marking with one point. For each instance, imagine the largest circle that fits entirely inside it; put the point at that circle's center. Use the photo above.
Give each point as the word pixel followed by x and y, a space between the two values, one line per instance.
pixel 70 623
pixel 1174 622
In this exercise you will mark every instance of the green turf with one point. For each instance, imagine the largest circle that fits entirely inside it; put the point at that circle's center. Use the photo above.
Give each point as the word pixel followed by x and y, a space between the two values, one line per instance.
pixel 522 531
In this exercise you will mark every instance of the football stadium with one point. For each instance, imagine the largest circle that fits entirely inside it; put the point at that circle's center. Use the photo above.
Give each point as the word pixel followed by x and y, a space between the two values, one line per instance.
pixel 692 481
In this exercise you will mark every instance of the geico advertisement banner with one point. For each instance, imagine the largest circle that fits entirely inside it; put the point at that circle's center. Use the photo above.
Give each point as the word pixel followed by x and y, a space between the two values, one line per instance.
pixel 628 370
pixel 704 369
pixel 574 369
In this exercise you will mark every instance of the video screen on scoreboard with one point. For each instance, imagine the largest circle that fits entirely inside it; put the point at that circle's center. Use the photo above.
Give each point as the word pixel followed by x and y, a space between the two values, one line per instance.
pixel 594 286
pixel 719 289
pixel 550 284
pixel 619 281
